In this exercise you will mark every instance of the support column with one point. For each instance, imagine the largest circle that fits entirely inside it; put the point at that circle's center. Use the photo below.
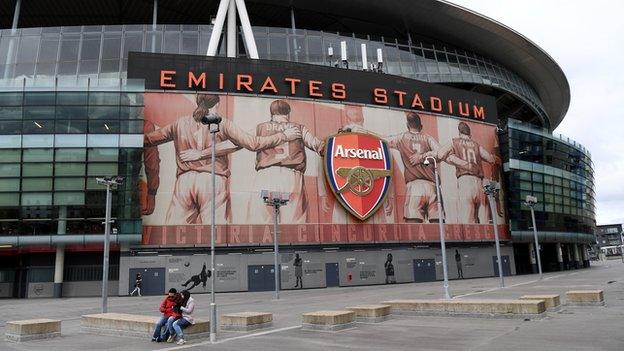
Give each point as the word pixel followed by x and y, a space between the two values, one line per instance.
pixel 577 259
pixel 59 262
pixel 154 23
pixel 585 256
pixel 231 29
pixel 559 256
pixel 533 258
pixel 12 44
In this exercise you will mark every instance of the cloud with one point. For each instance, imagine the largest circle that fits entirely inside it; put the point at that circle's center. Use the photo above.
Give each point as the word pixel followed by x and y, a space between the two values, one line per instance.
pixel 585 40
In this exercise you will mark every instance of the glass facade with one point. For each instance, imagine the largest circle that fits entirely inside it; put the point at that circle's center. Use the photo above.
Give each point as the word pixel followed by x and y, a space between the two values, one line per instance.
pixel 556 170
pixel 101 52
pixel 55 143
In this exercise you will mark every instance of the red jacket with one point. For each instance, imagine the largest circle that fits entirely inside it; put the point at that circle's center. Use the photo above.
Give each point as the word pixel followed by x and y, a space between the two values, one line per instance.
pixel 166 306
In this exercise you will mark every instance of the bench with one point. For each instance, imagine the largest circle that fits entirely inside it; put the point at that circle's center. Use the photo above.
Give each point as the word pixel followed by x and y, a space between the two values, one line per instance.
pixel 552 301
pixel 585 297
pixel 245 321
pixel 135 325
pixel 328 320
pixel 32 329
pixel 370 313
pixel 503 308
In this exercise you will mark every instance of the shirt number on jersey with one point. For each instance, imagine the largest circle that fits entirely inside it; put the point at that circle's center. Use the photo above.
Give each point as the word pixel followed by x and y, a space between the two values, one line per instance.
pixel 469 155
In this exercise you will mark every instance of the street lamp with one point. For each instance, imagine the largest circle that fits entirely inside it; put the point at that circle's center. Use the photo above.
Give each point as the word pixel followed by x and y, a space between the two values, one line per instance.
pixel 109 182
pixel 447 295
pixel 212 121
pixel 491 188
pixel 530 202
pixel 277 200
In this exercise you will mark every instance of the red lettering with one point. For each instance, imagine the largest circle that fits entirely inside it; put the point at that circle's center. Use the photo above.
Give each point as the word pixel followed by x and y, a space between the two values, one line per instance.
pixel 450 106
pixel 339 91
pixel 462 112
pixel 220 81
pixel 314 88
pixel 293 84
pixel 268 85
pixel 417 102
pixel 435 103
pixel 166 78
pixel 243 80
pixel 380 95
pixel 301 234
pixel 195 81
pixel 479 112
pixel 400 95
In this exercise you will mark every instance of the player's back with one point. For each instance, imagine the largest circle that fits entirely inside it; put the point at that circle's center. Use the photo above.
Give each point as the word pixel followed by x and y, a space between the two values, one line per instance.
pixel 468 150
pixel 410 144
pixel 290 154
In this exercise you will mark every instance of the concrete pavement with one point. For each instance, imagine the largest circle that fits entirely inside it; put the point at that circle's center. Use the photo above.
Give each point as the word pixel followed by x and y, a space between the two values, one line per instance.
pixel 572 328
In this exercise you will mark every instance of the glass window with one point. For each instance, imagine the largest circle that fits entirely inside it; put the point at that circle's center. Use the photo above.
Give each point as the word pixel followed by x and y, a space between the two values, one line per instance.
pixel 69 183
pixel 36 199
pixel 103 155
pixel 38 155
pixel 90 47
pixel 8 155
pixel 132 42
pixel 9 199
pixel 70 140
pixel 10 112
pixel 49 50
pixel 29 45
pixel 69 169
pixel 70 155
pixel 39 112
pixel 103 127
pixel 10 127
pixel 38 127
pixel 71 98
pixel 95 140
pixel 71 112
pixel 132 99
pixel 9 169
pixel 9 184
pixel 111 47
pixel 37 170
pixel 11 99
pixel 101 98
pixel 104 112
pixel 69 198
pixel 131 112
pixel 37 184
pixel 46 98
pixel 70 126
pixel 102 169
pixel 69 48
pixel 132 127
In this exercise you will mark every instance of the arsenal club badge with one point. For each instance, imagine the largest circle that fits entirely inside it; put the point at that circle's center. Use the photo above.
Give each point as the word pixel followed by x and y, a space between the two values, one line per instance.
pixel 358 169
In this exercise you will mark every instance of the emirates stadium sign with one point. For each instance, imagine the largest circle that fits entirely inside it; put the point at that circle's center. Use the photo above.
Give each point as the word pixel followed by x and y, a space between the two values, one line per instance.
pixel 359 170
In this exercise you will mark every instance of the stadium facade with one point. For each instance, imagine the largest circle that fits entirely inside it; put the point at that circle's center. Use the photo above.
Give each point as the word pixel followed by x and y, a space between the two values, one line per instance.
pixel 114 88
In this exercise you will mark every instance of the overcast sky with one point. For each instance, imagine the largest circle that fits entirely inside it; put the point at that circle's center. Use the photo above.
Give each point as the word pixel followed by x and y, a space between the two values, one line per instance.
pixel 586 39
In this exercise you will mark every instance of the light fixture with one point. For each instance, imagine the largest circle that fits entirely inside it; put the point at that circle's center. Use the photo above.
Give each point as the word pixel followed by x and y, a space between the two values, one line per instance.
pixel 106 126
pixel 37 124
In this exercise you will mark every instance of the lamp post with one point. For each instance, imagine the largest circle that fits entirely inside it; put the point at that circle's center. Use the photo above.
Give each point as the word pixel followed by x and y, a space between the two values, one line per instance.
pixel 530 202
pixel 491 188
pixel 109 182
pixel 212 121
pixel 276 200
pixel 447 295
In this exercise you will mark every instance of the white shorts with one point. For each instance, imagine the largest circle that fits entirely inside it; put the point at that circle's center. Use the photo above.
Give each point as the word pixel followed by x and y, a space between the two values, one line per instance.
pixel 191 202
pixel 283 180
pixel 471 198
pixel 421 200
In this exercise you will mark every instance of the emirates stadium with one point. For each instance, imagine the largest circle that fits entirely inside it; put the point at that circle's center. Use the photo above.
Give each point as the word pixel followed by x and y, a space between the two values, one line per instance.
pixel 352 136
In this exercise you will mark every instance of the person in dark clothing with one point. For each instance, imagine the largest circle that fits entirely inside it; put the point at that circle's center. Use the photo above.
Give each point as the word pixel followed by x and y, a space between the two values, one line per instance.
pixel 460 271
pixel 202 278
pixel 389 270
pixel 298 271
pixel 138 282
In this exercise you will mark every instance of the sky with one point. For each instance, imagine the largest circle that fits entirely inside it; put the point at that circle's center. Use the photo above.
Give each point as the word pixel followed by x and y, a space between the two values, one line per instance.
pixel 585 39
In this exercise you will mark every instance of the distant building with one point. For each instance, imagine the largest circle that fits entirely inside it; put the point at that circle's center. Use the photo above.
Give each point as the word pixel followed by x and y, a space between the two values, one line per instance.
pixel 608 238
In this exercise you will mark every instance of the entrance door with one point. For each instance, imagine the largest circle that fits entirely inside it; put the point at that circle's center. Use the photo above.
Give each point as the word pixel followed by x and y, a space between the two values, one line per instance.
pixel 332 276
pixel 153 280
pixel 424 270
pixel 261 278
pixel 506 266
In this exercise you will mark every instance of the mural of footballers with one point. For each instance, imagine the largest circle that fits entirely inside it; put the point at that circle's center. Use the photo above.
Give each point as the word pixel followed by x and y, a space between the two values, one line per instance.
pixel 468 160
pixel 191 199
pixel 281 167
pixel 421 201
pixel 202 278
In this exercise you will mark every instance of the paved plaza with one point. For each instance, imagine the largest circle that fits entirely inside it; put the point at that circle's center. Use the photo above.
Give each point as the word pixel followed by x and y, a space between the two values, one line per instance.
pixel 572 328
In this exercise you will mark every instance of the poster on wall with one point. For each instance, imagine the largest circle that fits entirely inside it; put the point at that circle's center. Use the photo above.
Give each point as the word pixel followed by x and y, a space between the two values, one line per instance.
pixel 278 144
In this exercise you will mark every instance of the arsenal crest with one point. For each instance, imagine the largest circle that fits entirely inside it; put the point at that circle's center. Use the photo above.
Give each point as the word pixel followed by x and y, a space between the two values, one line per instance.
pixel 358 170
